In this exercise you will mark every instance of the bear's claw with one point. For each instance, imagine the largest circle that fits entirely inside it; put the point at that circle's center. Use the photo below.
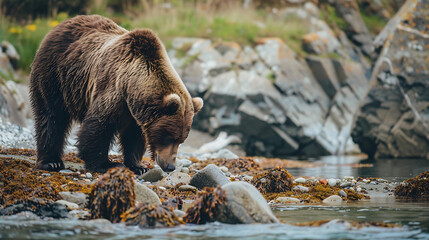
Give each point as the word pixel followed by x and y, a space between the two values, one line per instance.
pixel 55 166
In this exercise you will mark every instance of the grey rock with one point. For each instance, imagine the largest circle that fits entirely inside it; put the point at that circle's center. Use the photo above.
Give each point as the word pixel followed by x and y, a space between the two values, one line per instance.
pixel 173 179
pixel 288 200
pixel 245 204
pixel 153 175
pixel 346 184
pixel 179 213
pixel 333 199
pixel 332 182
pixel 342 193
pixel 82 214
pixel 301 188
pixel 393 121
pixel 185 188
pixel 183 162
pixel 322 42
pixel 69 205
pixel 210 176
pixel 300 180
pixel 223 169
pixel 145 195
pixel 88 175
pixel 75 197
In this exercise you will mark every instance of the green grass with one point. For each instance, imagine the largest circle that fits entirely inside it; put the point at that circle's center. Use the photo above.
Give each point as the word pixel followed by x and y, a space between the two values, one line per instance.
pixel 331 17
pixel 374 23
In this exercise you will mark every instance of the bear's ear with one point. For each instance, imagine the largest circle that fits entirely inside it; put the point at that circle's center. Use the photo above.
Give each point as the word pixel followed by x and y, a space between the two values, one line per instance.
pixel 171 103
pixel 198 104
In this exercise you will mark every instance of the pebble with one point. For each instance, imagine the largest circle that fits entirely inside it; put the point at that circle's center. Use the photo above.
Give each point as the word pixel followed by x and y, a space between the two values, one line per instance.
pixel 74 197
pixel 323 181
pixel 185 170
pixel 288 200
pixel 46 174
pixel 175 178
pixel 348 178
pixel 342 193
pixel 162 188
pixel 332 182
pixel 185 188
pixel 79 214
pixel 179 213
pixel 183 162
pixel 301 188
pixel 333 199
pixel 223 169
pixel 66 171
pixel 69 205
pixel 88 175
pixel 346 184
pixel 247 178
pixel 358 189
pixel 366 180
pixel 300 180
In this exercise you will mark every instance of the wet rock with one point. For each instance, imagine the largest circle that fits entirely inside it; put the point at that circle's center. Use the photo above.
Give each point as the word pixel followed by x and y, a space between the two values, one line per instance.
pixel 332 182
pixel 301 188
pixel 112 194
pixel 151 216
pixel 80 214
pixel 185 188
pixel 274 180
pixel 14 103
pixel 183 162
pixel 88 175
pixel 174 179
pixel 145 195
pixel 288 200
pixel 300 180
pixel 333 199
pixel 179 213
pixel 209 176
pixel 246 204
pixel 153 175
pixel 223 169
pixel 40 207
pixel 346 184
pixel 323 181
pixel 342 193
pixel 70 206
pixel 78 198
pixel 393 120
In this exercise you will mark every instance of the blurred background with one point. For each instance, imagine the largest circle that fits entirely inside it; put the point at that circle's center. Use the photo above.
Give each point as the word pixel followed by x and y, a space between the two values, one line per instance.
pixel 286 78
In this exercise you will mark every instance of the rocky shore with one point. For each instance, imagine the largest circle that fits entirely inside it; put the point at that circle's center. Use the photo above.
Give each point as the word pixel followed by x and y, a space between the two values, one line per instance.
pixel 233 191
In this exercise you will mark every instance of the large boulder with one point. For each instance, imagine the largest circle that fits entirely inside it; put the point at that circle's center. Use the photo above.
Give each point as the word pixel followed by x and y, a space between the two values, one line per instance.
pixel 394 118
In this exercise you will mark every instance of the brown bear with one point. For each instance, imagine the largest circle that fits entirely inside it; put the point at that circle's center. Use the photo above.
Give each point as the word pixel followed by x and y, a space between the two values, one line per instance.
pixel 115 83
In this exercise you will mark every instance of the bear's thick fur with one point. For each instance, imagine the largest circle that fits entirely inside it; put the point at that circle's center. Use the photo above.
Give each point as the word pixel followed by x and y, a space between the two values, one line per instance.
pixel 114 82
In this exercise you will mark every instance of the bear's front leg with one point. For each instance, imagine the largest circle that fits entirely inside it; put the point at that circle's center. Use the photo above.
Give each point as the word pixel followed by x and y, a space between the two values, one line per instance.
pixel 94 139
pixel 133 147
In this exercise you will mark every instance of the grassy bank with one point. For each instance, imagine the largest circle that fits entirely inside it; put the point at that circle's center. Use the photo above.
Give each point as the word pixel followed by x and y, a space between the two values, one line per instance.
pixel 244 26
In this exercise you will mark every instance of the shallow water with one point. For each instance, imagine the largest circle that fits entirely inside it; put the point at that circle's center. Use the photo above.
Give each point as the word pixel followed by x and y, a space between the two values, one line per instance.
pixel 413 216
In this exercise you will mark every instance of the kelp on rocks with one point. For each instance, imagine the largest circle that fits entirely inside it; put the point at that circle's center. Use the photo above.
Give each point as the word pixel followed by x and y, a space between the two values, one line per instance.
pixel 206 208
pixel 151 216
pixel 273 181
pixel 112 195
pixel 415 187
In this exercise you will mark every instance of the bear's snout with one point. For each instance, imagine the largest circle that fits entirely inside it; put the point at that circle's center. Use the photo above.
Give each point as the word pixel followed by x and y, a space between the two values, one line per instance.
pixel 166 157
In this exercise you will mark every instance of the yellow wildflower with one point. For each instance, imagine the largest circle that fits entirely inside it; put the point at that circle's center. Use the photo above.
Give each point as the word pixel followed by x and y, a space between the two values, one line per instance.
pixel 16 30
pixel 31 27
pixel 53 23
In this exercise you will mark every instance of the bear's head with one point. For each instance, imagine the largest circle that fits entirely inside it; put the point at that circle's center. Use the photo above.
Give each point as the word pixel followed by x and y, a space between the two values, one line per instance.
pixel 167 132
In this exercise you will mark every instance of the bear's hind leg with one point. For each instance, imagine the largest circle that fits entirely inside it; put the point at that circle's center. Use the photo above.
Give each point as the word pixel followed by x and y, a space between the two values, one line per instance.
pixel 133 148
pixel 94 140
pixel 51 124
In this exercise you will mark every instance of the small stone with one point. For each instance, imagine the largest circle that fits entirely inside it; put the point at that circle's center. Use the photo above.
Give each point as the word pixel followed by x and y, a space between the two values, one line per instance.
pixel 366 180
pixel 175 178
pixel 162 188
pixel 223 169
pixel 288 200
pixel 82 214
pixel 354 182
pixel 323 181
pixel 66 171
pixel 185 170
pixel 301 188
pixel 183 162
pixel 333 199
pixel 46 174
pixel 185 188
pixel 179 213
pixel 300 180
pixel 69 205
pixel 88 175
pixel 145 195
pixel 75 197
pixel 342 193
pixel 247 178
pixel 209 176
pixel 153 175
pixel 78 173
pixel 345 184
pixel 332 182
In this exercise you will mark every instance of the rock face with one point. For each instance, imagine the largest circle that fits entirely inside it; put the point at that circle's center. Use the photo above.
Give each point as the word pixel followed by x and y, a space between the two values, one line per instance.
pixel 278 103
pixel 394 118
